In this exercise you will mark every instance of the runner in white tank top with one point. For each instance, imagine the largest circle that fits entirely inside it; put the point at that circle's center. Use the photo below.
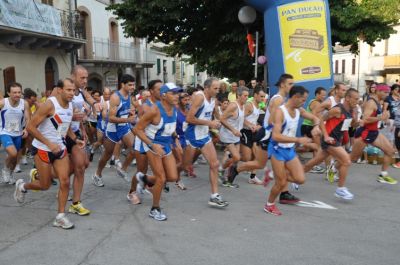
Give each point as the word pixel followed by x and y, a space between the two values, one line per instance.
pixel 49 125
pixel 14 113
pixel 282 146
pixel 232 120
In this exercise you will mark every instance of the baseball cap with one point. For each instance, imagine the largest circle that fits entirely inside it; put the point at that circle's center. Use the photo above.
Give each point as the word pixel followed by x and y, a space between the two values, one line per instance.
pixel 383 87
pixel 170 87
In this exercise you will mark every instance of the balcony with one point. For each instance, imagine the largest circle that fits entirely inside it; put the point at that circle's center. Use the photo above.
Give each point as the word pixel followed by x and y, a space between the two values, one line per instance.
pixel 106 52
pixel 392 62
pixel 32 25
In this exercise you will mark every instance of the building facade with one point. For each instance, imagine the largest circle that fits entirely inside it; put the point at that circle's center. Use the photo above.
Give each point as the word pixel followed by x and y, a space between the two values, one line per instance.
pixel 379 63
pixel 38 40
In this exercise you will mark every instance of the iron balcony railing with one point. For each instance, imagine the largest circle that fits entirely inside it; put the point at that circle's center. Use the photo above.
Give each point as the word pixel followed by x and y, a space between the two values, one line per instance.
pixel 105 50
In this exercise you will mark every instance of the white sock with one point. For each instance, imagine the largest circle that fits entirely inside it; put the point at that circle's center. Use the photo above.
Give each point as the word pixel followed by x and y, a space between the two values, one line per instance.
pixel 60 215
pixel 270 203
pixel 112 157
pixel 23 187
pixel 384 173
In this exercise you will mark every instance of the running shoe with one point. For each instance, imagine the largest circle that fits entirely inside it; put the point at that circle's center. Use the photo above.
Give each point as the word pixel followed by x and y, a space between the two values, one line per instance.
pixel 229 184
pixel 201 160
pixel 268 176
pixel 179 184
pixel 344 193
pixel 19 193
pixel 221 174
pixel 123 174
pixel 63 222
pixel 288 198
pixel 91 155
pixel 317 170
pixel 361 161
pixel 118 164
pixel 166 188
pixel 78 209
pixel 191 172
pixel 140 185
pixel 17 168
pixel 33 174
pixel 112 162
pixel 134 198
pixel 97 181
pixel 24 161
pixel 6 174
pixel 133 162
pixel 396 165
pixel 272 209
pixel 218 202
pixel 330 174
pixel 12 179
pixel 386 179
pixel 53 182
pixel 157 214
pixel 255 181
pixel 294 186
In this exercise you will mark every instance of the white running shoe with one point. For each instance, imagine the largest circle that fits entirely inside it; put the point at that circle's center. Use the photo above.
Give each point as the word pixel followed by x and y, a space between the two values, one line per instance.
pixel 6 175
pixel 19 193
pixel 255 181
pixel 63 222
pixel 17 169
pixel 24 161
pixel 97 181
pixel 344 193
pixel 123 174
pixel 118 164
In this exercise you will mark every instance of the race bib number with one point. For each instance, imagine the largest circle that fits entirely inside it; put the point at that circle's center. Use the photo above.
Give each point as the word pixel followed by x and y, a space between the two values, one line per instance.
pixel 184 126
pixel 123 124
pixel 62 129
pixel 13 126
pixel 346 124
pixel 169 128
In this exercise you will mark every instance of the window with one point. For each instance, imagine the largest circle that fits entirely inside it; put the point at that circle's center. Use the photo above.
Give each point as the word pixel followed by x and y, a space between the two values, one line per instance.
pixel 336 67
pixel 47 2
pixel 343 66
pixel 353 67
pixel 173 67
pixel 158 66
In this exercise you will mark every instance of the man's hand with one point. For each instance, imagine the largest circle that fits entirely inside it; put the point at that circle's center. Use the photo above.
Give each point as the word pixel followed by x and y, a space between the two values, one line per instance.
pixel 316 131
pixel 24 134
pixel 303 140
pixel 329 140
pixel 158 149
pixel 80 143
pixel 215 124
pixel 237 133
pixel 54 148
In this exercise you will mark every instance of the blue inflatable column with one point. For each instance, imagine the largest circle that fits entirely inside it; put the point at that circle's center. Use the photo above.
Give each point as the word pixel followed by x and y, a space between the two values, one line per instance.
pixel 298 41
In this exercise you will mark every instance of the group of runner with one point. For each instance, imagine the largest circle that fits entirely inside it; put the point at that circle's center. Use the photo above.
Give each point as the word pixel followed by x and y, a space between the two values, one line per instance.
pixel 167 128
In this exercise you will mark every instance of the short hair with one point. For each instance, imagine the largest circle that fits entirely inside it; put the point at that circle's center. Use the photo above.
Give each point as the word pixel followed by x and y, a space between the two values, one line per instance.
pixel 258 89
pixel 394 86
pixel 283 78
pixel 209 81
pixel 106 88
pixel 76 68
pixel 126 78
pixel 350 91
pixel 318 90
pixel 297 90
pixel 338 84
pixel 224 99
pixel 97 90
pixel 152 83
pixel 241 89
pixel 13 84
pixel 28 93
pixel 60 82
pixel 255 79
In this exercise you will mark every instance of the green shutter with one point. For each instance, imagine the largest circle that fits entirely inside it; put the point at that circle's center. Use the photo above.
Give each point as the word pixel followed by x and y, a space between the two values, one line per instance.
pixel 158 66
pixel 173 67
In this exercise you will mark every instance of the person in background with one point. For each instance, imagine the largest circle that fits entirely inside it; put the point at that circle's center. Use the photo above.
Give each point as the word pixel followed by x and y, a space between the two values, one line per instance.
pixel 232 96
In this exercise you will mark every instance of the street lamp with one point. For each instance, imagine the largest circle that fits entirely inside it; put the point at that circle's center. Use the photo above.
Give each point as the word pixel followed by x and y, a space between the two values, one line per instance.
pixel 247 15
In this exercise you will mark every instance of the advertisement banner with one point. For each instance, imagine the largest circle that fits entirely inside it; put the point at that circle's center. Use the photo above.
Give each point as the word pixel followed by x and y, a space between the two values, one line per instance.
pixel 30 15
pixel 304 39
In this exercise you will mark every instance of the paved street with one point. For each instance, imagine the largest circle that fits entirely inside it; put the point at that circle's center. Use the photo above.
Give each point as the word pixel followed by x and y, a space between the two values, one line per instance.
pixel 364 231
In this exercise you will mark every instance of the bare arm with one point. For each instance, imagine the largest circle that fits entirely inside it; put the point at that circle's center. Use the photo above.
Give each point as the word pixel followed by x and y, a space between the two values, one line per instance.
pixel 274 105
pixel 27 116
pixel 369 108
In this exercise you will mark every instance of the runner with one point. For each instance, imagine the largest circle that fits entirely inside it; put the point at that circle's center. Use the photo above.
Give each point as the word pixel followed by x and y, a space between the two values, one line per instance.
pixel 338 120
pixel 394 107
pixel 285 163
pixel 14 113
pixel 368 133
pixel 155 129
pixel 232 120
pixel 199 122
pixel 140 151
pixel 49 126
pixel 118 127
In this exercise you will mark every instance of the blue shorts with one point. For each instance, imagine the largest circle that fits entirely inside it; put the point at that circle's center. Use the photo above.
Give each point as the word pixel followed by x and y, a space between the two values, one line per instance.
pixel 7 140
pixel 119 134
pixel 282 154
pixel 198 144
pixel 182 142
pixel 166 147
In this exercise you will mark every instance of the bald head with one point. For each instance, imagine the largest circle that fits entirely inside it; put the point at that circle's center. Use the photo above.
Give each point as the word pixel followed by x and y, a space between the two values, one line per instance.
pixel 106 94
pixel 80 76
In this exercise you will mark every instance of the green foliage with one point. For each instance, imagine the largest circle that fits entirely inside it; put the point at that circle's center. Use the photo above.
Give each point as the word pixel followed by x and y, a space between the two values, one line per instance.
pixel 210 33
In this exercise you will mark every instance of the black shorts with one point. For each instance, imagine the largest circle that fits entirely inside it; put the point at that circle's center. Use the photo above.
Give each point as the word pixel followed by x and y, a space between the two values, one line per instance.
pixel 259 138
pixel 306 130
pixel 92 124
pixel 325 145
pixel 366 135
pixel 69 143
pixel 247 138
pixel 352 132
pixel 397 138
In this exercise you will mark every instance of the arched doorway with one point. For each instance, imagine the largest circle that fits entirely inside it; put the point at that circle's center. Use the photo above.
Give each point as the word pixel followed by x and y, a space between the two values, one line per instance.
pixel 51 73
pixel 86 52
pixel 114 39
pixel 95 82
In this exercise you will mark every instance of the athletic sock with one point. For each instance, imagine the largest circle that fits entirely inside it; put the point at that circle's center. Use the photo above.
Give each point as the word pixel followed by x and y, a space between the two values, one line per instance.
pixel 270 204
pixel 214 195
pixel 60 215
pixel 384 173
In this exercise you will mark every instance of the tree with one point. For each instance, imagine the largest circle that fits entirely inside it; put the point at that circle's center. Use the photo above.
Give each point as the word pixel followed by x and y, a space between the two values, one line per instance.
pixel 210 33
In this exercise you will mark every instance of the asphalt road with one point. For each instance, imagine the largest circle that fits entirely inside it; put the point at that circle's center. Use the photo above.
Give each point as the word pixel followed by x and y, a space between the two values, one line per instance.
pixel 363 231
